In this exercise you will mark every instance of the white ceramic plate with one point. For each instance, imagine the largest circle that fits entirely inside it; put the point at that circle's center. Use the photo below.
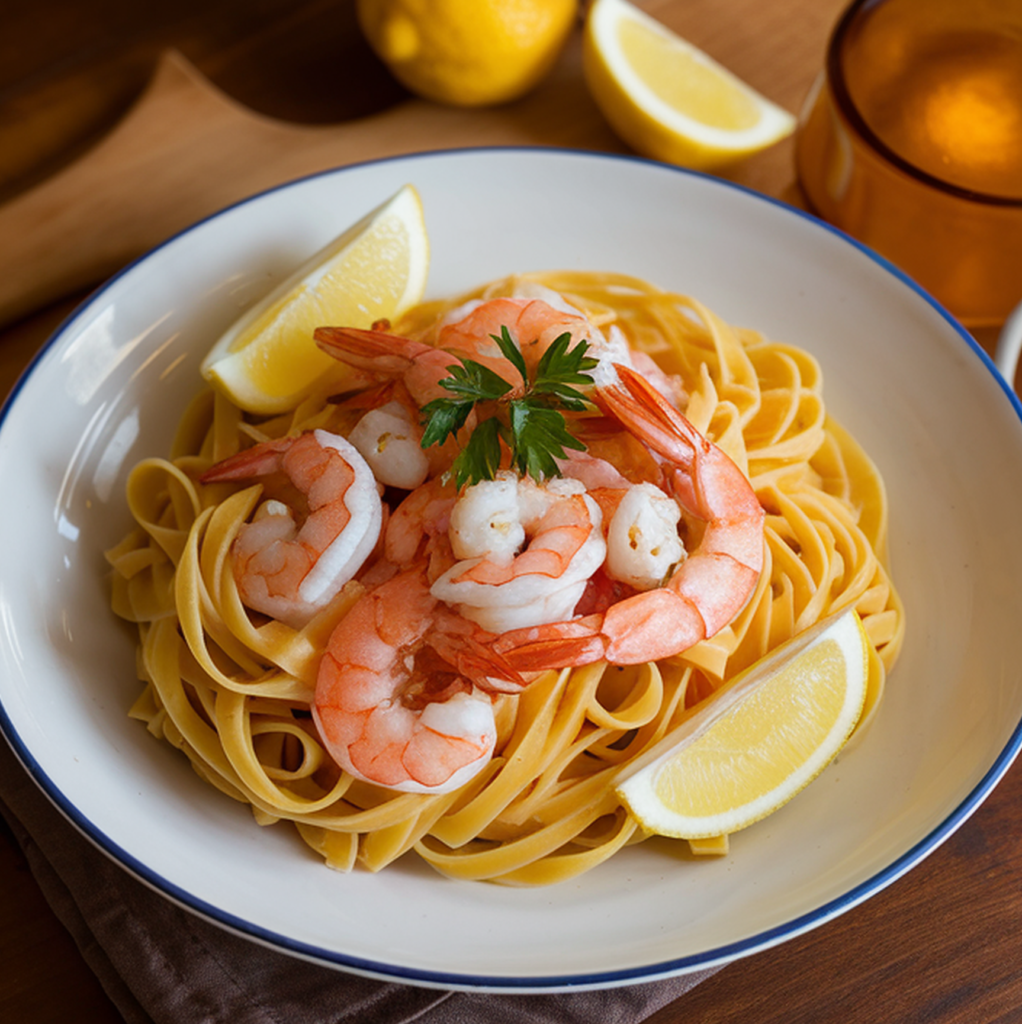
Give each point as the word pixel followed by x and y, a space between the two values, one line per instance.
pixel 909 383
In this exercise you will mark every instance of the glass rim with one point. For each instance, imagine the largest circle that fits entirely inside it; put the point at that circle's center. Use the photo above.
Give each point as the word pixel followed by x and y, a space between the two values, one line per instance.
pixel 848 107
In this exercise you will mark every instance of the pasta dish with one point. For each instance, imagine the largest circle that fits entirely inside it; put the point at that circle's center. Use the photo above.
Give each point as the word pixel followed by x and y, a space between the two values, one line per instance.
pixel 441 608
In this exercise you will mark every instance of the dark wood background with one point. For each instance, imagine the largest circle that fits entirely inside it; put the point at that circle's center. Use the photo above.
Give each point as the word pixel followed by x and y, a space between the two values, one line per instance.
pixel 941 945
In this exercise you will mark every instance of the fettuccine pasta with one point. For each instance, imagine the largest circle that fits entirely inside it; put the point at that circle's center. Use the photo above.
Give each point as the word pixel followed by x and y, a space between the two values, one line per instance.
pixel 232 690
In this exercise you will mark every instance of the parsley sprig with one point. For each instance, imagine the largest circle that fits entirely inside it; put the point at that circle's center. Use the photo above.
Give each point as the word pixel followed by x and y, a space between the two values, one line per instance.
pixel 528 419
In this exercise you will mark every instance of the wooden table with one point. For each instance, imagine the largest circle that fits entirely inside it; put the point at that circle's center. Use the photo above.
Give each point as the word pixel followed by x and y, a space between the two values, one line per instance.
pixel 940 945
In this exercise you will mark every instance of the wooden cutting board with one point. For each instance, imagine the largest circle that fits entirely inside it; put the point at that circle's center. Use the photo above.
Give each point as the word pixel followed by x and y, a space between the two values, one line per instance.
pixel 186 149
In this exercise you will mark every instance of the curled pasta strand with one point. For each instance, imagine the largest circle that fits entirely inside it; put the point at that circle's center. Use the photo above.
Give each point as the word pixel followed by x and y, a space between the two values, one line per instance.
pixel 481 861
pixel 200 622
pixel 526 753
pixel 596 844
pixel 638 704
pixel 164 502
pixel 161 655
pixel 234 725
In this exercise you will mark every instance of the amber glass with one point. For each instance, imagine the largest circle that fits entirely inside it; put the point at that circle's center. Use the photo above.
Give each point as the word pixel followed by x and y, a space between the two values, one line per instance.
pixel 912 142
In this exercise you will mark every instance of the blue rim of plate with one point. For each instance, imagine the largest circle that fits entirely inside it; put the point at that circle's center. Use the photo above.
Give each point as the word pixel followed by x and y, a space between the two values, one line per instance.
pixel 543 983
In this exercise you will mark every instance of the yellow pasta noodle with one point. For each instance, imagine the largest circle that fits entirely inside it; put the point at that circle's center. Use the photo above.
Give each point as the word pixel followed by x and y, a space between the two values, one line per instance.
pixel 233 691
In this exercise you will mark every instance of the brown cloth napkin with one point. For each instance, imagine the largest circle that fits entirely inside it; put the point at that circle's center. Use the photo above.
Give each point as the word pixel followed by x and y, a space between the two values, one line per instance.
pixel 160 964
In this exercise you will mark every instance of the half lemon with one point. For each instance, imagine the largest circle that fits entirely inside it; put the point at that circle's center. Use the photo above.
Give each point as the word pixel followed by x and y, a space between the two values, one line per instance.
pixel 267 362
pixel 758 741
pixel 667 99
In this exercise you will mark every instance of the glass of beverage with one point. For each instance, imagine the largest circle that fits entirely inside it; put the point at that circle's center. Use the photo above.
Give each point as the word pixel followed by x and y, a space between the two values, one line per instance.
pixel 911 141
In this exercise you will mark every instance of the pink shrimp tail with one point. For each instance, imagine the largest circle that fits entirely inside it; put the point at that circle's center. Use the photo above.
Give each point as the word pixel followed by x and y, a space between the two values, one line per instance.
pixel 372 396
pixel 557 645
pixel 420 367
pixel 477 661
pixel 469 650
pixel 369 349
pixel 700 475
pixel 652 419
pixel 259 460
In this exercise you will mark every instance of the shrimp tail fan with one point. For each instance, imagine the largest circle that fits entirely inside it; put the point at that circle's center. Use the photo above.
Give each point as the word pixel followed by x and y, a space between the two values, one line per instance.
pixel 477 661
pixel 574 642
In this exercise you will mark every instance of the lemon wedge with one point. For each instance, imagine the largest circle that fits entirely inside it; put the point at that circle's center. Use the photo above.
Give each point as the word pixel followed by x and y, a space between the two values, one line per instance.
pixel 758 741
pixel 667 99
pixel 267 362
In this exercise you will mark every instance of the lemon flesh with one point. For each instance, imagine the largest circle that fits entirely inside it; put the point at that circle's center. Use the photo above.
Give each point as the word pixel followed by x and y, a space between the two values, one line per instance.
pixel 667 99
pixel 267 362
pixel 759 741
pixel 467 53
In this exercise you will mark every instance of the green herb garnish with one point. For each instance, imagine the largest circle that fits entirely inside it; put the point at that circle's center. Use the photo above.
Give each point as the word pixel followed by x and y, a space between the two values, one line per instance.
pixel 528 419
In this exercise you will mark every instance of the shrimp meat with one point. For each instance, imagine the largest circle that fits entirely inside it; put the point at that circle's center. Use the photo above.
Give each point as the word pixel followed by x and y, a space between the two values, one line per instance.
pixel 500 581
pixel 290 571
pixel 388 709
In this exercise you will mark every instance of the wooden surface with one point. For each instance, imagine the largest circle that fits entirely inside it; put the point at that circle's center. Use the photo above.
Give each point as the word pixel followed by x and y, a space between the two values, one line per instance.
pixel 940 945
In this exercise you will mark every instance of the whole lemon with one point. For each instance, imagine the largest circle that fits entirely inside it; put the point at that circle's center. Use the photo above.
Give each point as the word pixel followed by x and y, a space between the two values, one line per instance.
pixel 468 53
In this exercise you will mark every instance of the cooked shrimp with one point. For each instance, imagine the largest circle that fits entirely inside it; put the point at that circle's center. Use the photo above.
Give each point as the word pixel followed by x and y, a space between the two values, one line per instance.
pixel 500 581
pixel 418 528
pixel 533 325
pixel 592 472
pixel 389 711
pixel 422 364
pixel 643 545
pixel 417 368
pixel 290 571
pixel 535 317
pixel 609 348
pixel 640 521
pixel 709 587
pixel 420 367
pixel 468 332
pixel 389 440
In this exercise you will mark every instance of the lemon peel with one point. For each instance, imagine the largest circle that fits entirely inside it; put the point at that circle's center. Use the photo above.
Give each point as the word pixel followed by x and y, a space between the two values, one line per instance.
pixel 467 53
pixel 267 361
pixel 669 100
pixel 758 741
